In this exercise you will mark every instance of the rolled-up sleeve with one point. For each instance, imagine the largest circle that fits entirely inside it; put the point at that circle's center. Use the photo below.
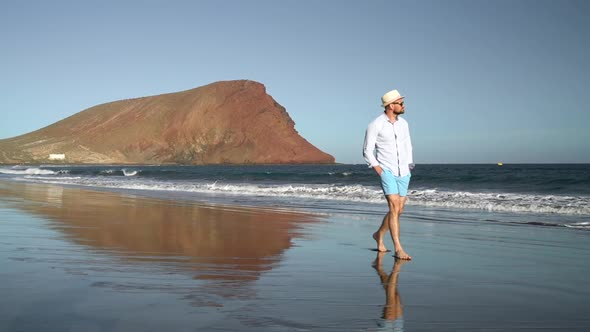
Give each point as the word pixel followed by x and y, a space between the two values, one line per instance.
pixel 369 145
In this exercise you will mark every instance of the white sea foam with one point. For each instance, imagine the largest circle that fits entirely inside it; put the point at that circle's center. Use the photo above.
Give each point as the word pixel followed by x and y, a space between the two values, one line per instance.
pixel 25 171
pixel 502 202
pixel 127 172
pixel 579 225
pixel 493 202
pixel 47 178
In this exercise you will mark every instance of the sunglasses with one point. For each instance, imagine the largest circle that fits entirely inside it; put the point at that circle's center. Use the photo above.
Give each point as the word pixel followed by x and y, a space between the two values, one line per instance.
pixel 400 104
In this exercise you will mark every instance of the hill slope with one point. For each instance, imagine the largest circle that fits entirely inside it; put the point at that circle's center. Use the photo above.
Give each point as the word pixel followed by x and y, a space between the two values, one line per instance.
pixel 234 122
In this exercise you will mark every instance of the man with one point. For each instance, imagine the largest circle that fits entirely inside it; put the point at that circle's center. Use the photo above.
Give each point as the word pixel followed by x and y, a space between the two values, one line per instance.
pixel 389 136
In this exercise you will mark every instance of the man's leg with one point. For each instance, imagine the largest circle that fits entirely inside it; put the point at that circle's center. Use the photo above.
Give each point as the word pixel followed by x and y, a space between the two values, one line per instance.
pixel 395 208
pixel 402 200
pixel 378 235
pixel 402 204
pixel 390 184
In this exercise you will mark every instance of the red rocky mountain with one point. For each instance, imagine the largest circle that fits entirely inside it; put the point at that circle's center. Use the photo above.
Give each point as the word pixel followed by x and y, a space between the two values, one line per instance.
pixel 230 122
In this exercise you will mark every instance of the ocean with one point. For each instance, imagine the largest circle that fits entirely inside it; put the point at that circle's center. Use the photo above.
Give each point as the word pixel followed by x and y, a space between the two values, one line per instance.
pixel 542 195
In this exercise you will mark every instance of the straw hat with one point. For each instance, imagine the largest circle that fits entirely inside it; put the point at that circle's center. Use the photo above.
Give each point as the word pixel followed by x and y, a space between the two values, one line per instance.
pixel 390 97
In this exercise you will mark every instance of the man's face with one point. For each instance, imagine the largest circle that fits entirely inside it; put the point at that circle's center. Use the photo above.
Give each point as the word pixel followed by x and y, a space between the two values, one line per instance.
pixel 398 106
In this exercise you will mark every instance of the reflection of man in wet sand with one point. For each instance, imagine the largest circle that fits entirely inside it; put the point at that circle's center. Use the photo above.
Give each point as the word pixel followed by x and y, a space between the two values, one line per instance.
pixel 392 311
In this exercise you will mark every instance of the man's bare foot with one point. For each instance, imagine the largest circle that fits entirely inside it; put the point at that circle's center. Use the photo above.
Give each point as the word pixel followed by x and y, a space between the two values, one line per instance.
pixel 380 246
pixel 402 255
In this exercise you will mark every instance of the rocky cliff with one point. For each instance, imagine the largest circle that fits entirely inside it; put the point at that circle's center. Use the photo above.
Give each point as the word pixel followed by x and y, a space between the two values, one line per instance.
pixel 232 122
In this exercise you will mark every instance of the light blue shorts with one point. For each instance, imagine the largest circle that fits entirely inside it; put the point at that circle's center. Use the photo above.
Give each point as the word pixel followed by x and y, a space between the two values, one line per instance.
pixel 393 185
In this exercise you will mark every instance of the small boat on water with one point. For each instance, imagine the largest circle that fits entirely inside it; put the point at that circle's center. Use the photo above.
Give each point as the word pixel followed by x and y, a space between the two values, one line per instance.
pixel 500 164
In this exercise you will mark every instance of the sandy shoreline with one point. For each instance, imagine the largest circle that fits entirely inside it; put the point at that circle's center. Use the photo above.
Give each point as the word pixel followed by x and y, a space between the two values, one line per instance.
pixel 75 259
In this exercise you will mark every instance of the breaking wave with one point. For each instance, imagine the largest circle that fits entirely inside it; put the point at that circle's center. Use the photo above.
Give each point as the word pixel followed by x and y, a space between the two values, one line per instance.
pixel 129 172
pixel 26 171
pixel 579 225
pixel 490 201
pixel 503 202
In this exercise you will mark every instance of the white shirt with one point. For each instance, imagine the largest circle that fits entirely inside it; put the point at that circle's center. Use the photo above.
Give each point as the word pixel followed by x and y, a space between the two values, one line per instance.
pixel 391 141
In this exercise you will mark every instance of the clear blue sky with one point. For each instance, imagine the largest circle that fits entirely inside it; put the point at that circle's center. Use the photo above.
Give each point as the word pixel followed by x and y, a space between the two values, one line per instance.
pixel 485 81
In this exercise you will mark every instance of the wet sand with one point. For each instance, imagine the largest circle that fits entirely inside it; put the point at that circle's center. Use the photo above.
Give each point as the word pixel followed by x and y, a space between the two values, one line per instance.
pixel 82 260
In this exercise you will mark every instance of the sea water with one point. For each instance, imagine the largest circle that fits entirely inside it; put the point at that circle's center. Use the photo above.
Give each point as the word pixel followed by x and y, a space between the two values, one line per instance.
pixel 535 194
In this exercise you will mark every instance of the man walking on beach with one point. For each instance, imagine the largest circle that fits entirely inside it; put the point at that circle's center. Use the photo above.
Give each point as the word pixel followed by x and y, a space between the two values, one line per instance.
pixel 389 136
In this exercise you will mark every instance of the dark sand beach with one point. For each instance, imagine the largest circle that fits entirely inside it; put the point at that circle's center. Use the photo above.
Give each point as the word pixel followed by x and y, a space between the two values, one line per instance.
pixel 81 260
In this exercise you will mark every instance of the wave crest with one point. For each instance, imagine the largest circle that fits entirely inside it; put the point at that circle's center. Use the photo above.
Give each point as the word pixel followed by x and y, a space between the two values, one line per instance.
pixel 127 172
pixel 26 171
pixel 491 201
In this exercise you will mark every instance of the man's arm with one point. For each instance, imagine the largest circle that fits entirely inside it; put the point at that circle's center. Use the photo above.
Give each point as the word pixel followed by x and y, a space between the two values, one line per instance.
pixel 410 152
pixel 369 148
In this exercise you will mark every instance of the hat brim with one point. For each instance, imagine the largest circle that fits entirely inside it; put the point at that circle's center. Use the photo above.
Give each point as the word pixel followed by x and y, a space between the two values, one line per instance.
pixel 393 101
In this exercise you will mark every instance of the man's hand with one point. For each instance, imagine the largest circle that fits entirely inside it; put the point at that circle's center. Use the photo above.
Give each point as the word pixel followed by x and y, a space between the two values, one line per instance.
pixel 378 169
pixel 412 165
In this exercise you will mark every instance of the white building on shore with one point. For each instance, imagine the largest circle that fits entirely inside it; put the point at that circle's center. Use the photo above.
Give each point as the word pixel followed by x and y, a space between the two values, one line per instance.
pixel 57 156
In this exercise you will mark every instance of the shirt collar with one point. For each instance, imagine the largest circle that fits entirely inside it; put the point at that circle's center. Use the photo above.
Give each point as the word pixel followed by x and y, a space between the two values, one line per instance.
pixel 385 118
